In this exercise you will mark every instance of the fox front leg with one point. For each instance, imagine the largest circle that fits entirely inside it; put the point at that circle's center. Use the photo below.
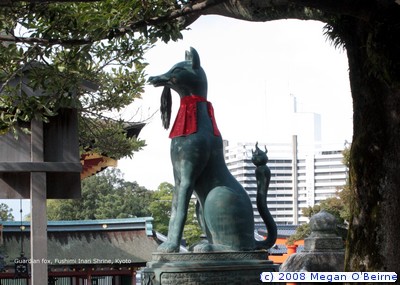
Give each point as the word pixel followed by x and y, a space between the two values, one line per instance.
pixel 180 205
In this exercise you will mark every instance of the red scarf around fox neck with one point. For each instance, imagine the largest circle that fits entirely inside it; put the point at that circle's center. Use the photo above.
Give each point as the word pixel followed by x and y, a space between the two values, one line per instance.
pixel 186 119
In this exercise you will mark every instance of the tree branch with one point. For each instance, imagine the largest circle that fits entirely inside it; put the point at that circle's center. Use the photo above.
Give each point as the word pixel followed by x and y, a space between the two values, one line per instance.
pixel 9 3
pixel 240 9
pixel 196 8
pixel 186 11
pixel 268 10
pixel 42 41
pixel 356 8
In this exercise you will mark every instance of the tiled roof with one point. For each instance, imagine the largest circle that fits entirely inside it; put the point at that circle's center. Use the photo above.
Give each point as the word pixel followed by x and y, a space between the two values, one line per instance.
pixel 281 249
pixel 104 240
pixel 283 230
pixel 88 241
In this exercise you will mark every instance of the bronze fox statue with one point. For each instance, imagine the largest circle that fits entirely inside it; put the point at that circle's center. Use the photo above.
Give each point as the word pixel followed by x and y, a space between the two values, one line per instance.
pixel 224 209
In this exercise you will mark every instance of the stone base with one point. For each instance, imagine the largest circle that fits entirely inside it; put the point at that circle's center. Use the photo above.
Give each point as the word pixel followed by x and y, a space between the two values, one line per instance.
pixel 217 268
pixel 314 262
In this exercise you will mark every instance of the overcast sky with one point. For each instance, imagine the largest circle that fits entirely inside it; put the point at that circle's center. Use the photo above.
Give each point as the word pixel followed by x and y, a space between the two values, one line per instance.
pixel 252 69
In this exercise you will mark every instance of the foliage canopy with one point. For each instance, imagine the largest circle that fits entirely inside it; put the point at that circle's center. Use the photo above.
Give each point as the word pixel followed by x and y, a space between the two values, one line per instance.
pixel 72 44
pixel 106 195
pixel 6 213
pixel 160 208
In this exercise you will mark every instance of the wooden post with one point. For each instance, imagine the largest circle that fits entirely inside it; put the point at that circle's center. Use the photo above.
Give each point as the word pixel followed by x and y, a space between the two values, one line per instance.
pixel 89 277
pixel 39 274
pixel 291 249
pixel 134 276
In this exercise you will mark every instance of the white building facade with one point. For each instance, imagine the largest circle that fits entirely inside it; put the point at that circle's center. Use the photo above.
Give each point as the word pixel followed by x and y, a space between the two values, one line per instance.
pixel 300 176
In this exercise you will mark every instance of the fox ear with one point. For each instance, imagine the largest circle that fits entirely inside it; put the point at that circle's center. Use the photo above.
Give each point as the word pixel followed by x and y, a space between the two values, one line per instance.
pixel 193 56
pixel 188 56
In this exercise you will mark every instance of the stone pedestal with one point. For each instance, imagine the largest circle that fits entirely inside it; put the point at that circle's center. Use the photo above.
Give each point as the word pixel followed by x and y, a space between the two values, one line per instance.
pixel 323 249
pixel 217 268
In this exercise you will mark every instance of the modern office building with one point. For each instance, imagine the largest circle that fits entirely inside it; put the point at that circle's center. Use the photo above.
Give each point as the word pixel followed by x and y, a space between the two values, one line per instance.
pixel 301 176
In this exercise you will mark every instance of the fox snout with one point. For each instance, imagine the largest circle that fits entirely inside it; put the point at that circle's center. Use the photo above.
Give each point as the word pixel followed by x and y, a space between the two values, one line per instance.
pixel 160 80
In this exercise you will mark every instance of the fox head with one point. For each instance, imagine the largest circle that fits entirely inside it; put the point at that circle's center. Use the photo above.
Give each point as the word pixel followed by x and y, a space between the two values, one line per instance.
pixel 259 157
pixel 186 78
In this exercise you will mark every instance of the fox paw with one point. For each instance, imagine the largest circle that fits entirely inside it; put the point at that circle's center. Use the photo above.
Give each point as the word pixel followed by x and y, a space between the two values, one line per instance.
pixel 208 247
pixel 168 247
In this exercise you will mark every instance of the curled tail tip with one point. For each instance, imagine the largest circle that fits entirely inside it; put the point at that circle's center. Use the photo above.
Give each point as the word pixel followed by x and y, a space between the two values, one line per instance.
pixel 264 245
pixel 270 241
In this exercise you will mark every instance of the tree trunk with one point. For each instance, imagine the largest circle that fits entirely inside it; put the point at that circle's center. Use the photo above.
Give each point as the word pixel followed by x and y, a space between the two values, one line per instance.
pixel 375 163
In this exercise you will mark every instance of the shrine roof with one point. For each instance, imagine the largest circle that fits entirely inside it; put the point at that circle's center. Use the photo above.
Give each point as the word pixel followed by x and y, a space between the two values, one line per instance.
pixel 87 242
pixel 283 230
pixel 93 163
